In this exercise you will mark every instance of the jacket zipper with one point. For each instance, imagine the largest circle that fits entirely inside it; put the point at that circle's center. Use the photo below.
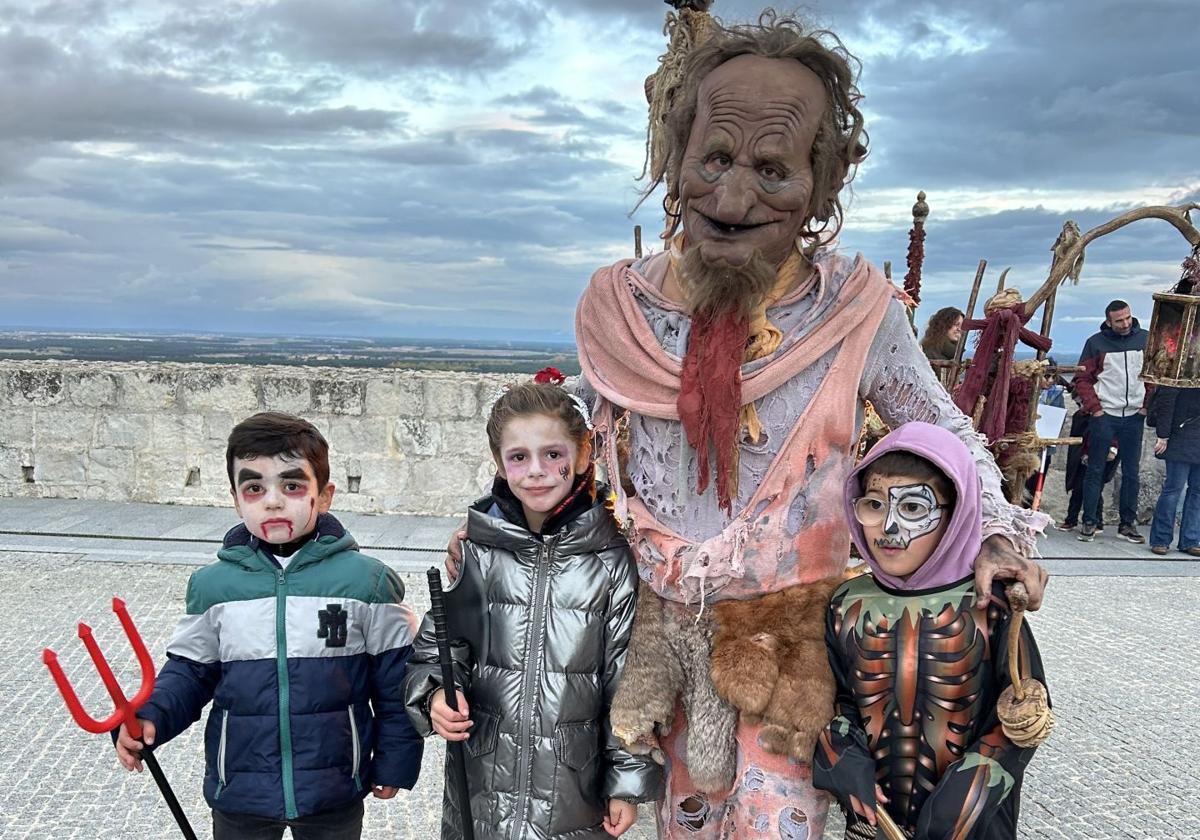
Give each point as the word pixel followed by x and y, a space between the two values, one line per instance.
pixel 533 668
pixel 357 756
pixel 285 716
pixel 221 753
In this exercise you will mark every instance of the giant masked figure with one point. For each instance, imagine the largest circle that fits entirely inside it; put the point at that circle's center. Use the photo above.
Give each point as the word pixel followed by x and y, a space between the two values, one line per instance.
pixel 728 374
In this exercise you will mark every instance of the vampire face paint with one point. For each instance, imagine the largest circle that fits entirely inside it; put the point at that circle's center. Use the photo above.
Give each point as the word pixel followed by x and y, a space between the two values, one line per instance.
pixel 277 497
pixel 746 176
pixel 903 521
pixel 539 460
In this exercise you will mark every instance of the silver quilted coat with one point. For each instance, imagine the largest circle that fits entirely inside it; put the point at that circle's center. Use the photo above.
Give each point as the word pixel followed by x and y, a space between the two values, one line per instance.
pixel 542 761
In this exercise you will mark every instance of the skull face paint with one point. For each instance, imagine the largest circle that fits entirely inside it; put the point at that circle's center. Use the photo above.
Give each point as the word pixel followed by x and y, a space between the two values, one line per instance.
pixel 905 521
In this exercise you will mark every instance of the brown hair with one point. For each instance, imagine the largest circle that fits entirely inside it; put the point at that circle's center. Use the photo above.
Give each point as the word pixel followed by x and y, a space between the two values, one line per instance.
pixel 909 465
pixel 529 398
pixel 270 433
pixel 841 141
pixel 938 327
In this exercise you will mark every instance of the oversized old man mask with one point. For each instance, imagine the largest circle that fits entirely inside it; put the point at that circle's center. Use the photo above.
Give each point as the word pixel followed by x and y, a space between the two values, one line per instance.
pixel 745 186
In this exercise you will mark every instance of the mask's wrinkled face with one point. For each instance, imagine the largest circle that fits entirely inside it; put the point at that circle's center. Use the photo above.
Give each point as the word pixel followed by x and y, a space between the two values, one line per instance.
pixel 747 173
pixel 903 521
pixel 277 497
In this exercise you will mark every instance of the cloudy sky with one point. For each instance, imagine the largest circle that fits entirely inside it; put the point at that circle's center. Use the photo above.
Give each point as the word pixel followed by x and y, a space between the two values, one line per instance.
pixel 447 168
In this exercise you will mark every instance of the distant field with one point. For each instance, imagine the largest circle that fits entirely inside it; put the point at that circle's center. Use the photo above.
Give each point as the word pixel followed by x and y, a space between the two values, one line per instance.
pixel 479 357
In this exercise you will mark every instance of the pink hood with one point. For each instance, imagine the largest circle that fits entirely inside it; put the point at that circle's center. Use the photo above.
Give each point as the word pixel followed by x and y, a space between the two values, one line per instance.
pixel 954 558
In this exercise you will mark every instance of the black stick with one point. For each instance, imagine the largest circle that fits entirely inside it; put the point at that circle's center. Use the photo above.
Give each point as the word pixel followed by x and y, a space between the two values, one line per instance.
pixel 164 787
pixel 458 756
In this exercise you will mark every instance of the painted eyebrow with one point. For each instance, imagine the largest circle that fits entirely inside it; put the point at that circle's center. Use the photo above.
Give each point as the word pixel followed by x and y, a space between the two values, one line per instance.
pixel 245 474
pixel 294 472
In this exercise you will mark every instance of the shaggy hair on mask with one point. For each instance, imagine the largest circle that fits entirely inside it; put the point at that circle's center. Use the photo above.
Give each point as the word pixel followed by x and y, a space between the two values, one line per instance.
pixel 841 141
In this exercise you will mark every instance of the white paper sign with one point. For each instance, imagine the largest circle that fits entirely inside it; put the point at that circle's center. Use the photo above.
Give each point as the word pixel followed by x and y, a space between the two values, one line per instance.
pixel 1050 420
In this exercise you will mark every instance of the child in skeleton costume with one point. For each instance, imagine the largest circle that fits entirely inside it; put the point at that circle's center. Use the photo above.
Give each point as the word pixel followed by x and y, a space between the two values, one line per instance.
pixel 918 665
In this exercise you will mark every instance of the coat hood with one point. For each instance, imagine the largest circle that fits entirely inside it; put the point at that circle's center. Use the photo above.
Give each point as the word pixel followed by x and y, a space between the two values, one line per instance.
pixel 954 558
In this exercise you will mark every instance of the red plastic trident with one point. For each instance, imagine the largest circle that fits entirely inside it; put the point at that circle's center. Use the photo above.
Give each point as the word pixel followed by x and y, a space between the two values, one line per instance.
pixel 126 708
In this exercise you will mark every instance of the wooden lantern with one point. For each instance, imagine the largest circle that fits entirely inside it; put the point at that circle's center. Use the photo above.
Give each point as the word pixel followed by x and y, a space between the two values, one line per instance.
pixel 1173 348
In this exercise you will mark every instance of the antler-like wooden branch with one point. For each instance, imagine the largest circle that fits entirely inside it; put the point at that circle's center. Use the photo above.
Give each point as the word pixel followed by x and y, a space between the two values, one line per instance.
pixel 1176 215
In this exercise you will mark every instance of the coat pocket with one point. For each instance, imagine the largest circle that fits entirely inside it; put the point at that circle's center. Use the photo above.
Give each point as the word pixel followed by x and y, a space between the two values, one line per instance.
pixel 578 800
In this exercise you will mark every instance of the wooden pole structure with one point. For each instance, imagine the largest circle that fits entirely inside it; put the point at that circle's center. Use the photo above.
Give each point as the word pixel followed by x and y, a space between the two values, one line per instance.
pixel 637 241
pixel 887 269
pixel 962 339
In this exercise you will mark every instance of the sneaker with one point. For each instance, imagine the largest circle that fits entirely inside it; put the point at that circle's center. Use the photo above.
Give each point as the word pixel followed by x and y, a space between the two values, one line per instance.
pixel 1099 527
pixel 1128 532
pixel 1159 549
pixel 1065 526
pixel 1086 532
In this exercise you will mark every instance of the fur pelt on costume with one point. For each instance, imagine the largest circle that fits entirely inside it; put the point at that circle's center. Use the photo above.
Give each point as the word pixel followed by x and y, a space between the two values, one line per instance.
pixel 769 662
pixel 668 659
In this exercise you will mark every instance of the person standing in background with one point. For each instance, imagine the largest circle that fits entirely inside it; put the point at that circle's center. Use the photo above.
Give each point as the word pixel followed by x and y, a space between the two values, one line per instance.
pixel 1174 416
pixel 1109 390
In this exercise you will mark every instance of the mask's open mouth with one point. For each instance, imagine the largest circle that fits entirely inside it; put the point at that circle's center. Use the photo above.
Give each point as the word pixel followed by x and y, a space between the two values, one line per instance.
pixel 732 229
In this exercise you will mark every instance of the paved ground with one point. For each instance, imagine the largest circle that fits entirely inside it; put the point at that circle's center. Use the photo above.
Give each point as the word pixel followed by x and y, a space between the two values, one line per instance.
pixel 1119 765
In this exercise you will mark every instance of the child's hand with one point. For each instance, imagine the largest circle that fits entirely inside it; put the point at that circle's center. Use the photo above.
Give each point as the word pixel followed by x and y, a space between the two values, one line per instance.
pixel 448 723
pixel 454 552
pixel 621 815
pixel 867 812
pixel 129 750
pixel 384 791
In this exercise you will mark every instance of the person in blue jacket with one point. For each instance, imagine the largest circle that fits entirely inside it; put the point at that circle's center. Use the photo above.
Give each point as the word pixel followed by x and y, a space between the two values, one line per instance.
pixel 301 643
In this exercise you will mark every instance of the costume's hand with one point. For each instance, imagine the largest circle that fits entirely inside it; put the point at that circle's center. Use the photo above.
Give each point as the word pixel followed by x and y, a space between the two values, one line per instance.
pixel 454 552
pixel 451 725
pixel 865 811
pixel 998 559
pixel 1160 446
pixel 384 791
pixel 621 816
pixel 129 750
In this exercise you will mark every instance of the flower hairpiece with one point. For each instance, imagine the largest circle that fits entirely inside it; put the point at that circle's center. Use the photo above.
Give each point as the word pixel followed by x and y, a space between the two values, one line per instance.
pixel 549 376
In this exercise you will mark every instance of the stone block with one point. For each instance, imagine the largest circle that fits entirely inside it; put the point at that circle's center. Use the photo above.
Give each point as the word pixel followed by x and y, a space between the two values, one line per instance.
pixel 338 396
pixel 159 477
pixel 450 398
pixel 217 389
pixel 36 387
pixel 176 435
pixel 416 437
pixel 381 477
pixel 217 426
pixel 112 467
pixel 292 394
pixel 11 462
pixel 93 389
pixel 128 431
pixel 464 438
pixel 63 428
pixel 150 389
pixel 59 469
pixel 358 435
pixel 411 387
pixel 16 427
pixel 444 477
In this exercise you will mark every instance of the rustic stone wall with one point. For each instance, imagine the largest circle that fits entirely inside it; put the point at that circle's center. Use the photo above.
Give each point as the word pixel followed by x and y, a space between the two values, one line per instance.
pixel 400 441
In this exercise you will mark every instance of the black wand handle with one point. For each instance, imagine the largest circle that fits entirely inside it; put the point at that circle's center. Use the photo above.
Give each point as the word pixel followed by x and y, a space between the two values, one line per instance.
pixel 164 787
pixel 458 756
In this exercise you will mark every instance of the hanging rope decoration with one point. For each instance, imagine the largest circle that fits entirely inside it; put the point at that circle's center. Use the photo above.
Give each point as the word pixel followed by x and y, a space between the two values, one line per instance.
pixel 1024 706
pixel 916 249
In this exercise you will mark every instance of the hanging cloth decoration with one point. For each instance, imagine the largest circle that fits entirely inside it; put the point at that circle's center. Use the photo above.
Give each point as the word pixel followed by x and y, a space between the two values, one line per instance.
pixel 1003 326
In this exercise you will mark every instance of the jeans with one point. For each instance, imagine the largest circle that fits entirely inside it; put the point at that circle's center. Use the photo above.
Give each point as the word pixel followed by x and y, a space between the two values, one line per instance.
pixel 341 824
pixel 1179 474
pixel 1128 433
